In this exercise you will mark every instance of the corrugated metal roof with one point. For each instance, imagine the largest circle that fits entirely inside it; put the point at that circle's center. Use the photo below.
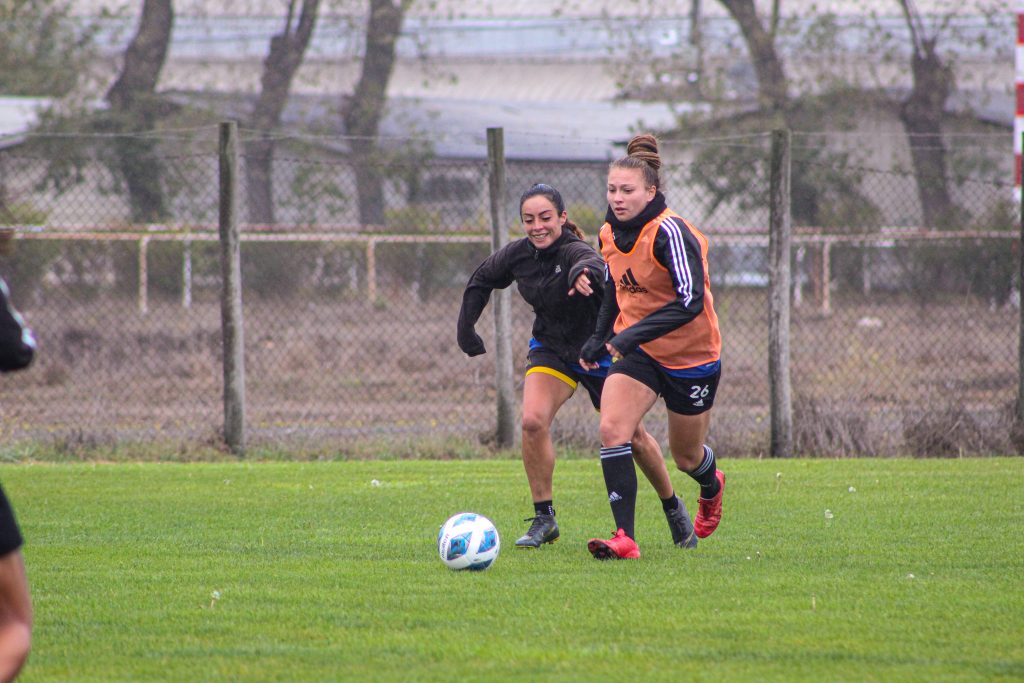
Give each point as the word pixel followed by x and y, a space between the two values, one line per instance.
pixel 455 128
pixel 547 131
pixel 511 81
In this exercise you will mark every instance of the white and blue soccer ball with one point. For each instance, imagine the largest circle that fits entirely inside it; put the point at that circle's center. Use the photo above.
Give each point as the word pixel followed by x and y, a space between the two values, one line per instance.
pixel 468 541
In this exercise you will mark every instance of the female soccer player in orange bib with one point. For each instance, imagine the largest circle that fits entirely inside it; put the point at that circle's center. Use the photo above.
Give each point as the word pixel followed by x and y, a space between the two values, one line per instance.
pixel 658 322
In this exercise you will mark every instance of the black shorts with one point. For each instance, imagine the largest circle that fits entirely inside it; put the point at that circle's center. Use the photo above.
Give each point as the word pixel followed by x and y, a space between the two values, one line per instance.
pixel 10 535
pixel 543 359
pixel 685 395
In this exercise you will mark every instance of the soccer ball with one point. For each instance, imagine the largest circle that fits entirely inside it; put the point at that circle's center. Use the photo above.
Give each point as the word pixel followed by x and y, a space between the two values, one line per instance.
pixel 468 541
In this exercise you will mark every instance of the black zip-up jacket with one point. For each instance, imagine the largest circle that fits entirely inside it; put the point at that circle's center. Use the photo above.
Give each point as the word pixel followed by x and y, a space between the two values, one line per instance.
pixel 544 276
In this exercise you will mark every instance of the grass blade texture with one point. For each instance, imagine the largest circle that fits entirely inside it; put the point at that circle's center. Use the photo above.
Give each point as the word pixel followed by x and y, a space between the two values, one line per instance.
pixel 822 570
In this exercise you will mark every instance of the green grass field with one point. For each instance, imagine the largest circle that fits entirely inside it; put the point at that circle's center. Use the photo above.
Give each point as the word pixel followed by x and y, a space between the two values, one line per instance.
pixel 292 571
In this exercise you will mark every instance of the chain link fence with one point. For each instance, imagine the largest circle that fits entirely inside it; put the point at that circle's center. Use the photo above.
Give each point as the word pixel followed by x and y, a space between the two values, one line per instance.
pixel 904 335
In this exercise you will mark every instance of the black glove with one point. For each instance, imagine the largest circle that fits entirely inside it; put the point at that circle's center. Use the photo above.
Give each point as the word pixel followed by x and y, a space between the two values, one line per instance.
pixel 471 344
pixel 593 350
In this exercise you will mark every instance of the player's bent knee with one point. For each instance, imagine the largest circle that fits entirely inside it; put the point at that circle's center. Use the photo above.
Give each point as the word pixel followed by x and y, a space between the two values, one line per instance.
pixel 687 462
pixel 615 434
pixel 534 425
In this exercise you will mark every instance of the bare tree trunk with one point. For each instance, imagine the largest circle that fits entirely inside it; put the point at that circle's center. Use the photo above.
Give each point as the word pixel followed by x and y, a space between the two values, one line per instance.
pixel 697 41
pixel 145 55
pixel 771 77
pixel 135 107
pixel 773 99
pixel 363 112
pixel 259 184
pixel 922 113
pixel 287 50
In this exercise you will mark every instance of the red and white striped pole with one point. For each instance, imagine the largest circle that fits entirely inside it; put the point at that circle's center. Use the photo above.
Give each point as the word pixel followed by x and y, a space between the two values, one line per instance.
pixel 1018 119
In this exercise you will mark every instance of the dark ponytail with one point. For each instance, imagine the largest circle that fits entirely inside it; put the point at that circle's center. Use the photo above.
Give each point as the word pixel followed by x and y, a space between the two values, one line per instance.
pixel 553 196
pixel 573 228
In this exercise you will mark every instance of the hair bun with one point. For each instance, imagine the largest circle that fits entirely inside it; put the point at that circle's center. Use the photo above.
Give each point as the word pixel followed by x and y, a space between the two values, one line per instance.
pixel 645 146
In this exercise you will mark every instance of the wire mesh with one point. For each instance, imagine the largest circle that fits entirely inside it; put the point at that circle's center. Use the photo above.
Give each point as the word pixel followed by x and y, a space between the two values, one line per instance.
pixel 904 335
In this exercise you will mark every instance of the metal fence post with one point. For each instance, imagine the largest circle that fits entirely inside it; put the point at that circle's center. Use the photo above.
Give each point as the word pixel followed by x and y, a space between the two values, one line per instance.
pixel 371 271
pixel 502 299
pixel 231 292
pixel 779 244
pixel 826 277
pixel 143 276
pixel 1020 313
pixel 186 273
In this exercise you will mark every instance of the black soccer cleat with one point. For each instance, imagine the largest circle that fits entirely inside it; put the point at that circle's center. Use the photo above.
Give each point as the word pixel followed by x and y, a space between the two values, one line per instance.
pixel 683 533
pixel 543 530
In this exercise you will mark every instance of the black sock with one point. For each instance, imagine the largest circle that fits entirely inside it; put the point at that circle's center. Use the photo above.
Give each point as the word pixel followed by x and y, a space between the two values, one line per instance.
pixel 543 508
pixel 671 503
pixel 705 474
pixel 620 480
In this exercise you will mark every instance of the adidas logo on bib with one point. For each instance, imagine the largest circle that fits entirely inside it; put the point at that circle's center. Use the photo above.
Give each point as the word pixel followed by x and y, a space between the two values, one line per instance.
pixel 628 282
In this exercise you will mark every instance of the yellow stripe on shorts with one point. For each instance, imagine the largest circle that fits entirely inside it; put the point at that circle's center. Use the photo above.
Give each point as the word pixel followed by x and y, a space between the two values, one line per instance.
pixel 554 373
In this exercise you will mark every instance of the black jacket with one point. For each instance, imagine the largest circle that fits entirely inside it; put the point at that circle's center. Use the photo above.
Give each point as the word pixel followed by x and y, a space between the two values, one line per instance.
pixel 17 345
pixel 544 277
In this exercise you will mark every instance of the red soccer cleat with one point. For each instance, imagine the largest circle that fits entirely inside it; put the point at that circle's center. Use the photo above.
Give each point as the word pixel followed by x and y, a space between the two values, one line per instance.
pixel 709 510
pixel 618 547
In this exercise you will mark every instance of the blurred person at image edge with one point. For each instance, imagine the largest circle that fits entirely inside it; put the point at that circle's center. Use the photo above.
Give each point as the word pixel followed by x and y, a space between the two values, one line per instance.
pixel 17 349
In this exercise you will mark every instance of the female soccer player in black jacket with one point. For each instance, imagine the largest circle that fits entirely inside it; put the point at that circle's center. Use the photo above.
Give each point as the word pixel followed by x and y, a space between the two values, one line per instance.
pixel 557 274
